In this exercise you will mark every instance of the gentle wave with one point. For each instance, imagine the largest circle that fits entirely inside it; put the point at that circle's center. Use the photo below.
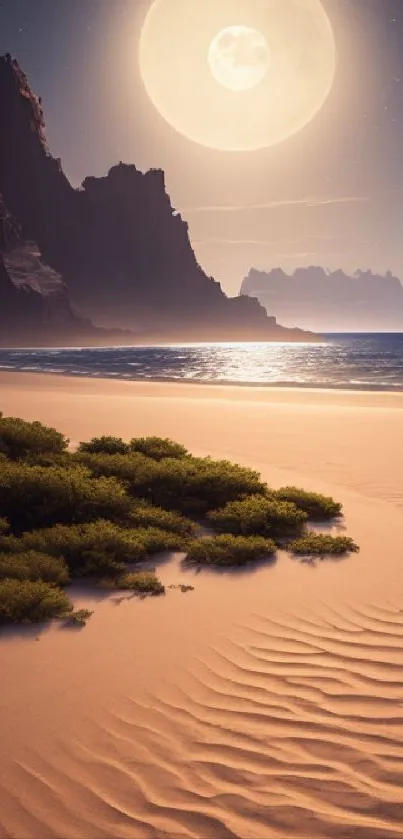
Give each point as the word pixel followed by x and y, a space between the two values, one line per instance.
pixel 355 362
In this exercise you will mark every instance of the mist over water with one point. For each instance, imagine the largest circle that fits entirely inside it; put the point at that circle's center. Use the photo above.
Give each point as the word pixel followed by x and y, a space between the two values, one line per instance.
pixel 358 362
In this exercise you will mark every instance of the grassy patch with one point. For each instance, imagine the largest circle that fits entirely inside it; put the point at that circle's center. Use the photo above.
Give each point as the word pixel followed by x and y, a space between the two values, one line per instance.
pixel 32 565
pixel 230 551
pixel 317 507
pixel 321 544
pixel 140 582
pixel 260 516
pixel 158 448
pixel 105 445
pixel 31 601
pixel 19 439
pixel 80 617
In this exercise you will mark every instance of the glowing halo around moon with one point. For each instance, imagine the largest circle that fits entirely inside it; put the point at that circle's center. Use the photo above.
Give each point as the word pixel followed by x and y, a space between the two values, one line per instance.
pixel 237 75
pixel 239 57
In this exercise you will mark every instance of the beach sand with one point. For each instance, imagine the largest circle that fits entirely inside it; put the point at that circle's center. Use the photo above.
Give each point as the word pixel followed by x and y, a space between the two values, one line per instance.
pixel 265 703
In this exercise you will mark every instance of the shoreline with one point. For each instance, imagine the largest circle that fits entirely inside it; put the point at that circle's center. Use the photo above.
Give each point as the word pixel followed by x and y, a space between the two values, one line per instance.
pixel 14 377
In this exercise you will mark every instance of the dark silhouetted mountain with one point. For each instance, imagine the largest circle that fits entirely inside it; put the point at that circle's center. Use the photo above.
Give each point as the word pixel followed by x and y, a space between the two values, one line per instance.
pixel 330 301
pixel 121 248
pixel 34 303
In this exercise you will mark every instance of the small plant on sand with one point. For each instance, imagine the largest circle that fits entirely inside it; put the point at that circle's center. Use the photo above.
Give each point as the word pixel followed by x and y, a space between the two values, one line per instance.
pixel 321 544
pixel 105 445
pixel 80 617
pixel 19 439
pixel 230 551
pixel 140 582
pixel 317 507
pixel 32 565
pixel 158 448
pixel 31 601
pixel 260 516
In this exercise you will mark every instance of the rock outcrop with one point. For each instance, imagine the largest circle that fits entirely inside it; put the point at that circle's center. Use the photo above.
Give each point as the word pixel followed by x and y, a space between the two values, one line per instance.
pixel 121 248
pixel 330 301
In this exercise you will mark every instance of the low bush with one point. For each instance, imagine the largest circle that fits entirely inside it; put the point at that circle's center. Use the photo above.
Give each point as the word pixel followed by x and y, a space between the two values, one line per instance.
pixel 317 507
pixel 158 448
pixel 146 515
pixel 105 445
pixel 187 485
pixel 140 582
pixel 32 565
pixel 260 516
pixel 31 601
pixel 4 527
pixel 80 617
pixel 156 541
pixel 18 438
pixel 321 544
pixel 97 548
pixel 229 551
pixel 35 496
pixel 92 549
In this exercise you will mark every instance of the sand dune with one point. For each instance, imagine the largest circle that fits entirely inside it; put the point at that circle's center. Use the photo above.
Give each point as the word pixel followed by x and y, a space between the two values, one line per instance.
pixel 266 703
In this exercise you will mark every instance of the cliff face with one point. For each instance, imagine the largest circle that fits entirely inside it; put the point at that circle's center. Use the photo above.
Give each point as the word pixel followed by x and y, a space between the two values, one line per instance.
pixel 330 301
pixel 121 248
pixel 28 314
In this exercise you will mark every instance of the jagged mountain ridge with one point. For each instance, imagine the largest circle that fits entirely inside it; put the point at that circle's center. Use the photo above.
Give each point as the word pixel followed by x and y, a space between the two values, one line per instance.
pixel 330 301
pixel 121 248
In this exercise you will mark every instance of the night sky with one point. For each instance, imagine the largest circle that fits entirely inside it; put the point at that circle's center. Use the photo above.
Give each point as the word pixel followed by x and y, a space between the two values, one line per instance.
pixel 331 195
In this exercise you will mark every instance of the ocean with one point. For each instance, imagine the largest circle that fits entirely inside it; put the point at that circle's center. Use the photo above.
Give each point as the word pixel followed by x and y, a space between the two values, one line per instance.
pixel 353 361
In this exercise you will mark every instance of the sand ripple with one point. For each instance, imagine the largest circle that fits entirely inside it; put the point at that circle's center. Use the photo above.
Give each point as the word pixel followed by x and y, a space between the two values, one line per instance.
pixel 290 727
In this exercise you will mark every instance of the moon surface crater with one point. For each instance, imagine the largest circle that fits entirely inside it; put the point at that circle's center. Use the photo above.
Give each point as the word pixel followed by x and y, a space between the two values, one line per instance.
pixel 237 75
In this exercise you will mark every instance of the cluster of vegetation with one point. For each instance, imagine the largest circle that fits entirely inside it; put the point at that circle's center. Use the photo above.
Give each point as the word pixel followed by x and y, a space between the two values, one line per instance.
pixel 114 504
pixel 230 551
pixel 323 544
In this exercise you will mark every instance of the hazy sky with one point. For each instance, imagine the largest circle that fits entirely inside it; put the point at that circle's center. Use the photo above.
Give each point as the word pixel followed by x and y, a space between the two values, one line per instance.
pixel 332 195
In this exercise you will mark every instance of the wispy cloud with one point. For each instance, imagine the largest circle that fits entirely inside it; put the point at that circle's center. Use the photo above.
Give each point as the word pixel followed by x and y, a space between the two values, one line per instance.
pixel 309 202
pixel 265 243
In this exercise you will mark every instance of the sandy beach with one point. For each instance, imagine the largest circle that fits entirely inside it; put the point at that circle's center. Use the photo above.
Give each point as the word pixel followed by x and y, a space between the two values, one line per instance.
pixel 265 703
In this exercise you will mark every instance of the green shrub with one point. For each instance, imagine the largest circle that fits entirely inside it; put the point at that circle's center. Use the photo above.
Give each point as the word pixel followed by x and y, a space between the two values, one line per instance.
pixel 227 550
pixel 32 565
pixel 126 468
pixel 188 485
pixel 317 507
pixel 259 515
pixel 18 438
pixel 141 582
pixel 158 448
pixel 105 445
pixel 146 515
pixel 195 485
pixel 80 617
pixel 320 544
pixel 156 541
pixel 4 527
pixel 97 548
pixel 29 600
pixel 35 496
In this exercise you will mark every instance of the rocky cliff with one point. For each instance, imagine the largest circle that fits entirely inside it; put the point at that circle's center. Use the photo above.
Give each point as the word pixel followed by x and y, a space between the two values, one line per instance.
pixel 35 308
pixel 330 301
pixel 121 248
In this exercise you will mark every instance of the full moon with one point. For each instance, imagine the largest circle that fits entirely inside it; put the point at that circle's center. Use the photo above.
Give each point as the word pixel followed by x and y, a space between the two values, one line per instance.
pixel 237 75
pixel 239 57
